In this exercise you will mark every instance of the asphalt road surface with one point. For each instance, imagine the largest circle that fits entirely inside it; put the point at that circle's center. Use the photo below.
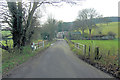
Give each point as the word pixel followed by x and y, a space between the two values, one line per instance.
pixel 58 61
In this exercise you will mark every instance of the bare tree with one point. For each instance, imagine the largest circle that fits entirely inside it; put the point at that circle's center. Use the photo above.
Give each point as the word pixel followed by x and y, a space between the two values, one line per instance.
pixel 91 23
pixel 81 22
pixel 87 17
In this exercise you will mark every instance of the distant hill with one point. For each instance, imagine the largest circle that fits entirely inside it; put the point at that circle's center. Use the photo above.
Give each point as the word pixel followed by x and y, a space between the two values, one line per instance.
pixel 113 19
pixel 67 25
pixel 107 20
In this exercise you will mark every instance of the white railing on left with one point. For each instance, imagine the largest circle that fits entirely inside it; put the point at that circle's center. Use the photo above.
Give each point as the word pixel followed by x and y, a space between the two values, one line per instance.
pixel 35 46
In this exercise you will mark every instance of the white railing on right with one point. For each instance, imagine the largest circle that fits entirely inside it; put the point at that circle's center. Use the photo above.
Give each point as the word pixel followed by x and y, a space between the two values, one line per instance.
pixel 81 46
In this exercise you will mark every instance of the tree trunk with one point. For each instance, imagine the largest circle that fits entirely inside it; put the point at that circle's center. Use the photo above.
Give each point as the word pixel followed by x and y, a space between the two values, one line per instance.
pixel 90 34
pixel 83 33
pixel 15 33
pixel 29 20
pixel 19 23
pixel 16 11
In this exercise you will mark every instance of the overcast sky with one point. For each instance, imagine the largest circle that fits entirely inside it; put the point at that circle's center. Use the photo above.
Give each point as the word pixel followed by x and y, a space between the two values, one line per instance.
pixel 68 13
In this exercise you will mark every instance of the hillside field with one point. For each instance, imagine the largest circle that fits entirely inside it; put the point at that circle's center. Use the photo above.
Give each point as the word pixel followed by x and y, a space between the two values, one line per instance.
pixel 104 29
pixel 113 27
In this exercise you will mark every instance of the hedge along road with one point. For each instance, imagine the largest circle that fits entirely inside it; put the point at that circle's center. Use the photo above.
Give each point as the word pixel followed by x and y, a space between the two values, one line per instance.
pixel 58 61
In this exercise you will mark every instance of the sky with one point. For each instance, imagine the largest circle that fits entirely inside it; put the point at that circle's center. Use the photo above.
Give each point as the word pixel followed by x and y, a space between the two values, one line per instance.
pixel 68 13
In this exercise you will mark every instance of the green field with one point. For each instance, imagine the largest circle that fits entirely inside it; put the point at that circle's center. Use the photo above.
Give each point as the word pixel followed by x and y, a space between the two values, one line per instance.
pixel 104 47
pixel 104 28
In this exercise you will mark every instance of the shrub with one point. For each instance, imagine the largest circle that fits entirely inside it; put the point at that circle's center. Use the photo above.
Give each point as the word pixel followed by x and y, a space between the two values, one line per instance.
pixel 110 33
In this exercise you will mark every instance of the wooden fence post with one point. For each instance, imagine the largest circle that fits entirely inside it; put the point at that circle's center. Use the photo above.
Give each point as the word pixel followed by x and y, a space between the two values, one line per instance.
pixel 76 45
pixel 96 53
pixel 108 52
pixel 119 57
pixel 84 50
pixel 89 52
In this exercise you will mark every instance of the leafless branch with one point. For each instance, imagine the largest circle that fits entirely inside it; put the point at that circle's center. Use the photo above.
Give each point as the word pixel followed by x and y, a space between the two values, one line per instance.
pixel 8 22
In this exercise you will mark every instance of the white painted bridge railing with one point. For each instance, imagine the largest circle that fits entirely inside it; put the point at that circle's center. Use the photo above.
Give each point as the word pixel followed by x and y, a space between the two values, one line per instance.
pixel 35 46
pixel 81 47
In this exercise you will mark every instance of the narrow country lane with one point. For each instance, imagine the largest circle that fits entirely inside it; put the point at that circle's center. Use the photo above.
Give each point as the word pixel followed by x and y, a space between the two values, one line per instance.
pixel 58 61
